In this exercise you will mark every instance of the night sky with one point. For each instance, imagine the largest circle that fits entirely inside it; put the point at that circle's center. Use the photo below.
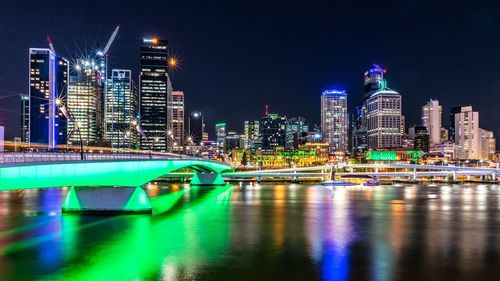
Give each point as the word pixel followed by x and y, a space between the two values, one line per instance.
pixel 238 56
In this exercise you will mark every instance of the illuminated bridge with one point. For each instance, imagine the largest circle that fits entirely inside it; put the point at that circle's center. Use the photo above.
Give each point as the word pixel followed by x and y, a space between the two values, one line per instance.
pixel 409 171
pixel 102 182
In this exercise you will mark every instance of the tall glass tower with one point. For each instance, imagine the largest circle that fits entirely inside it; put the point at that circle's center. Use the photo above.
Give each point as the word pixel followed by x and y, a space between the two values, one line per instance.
pixel 334 119
pixel 155 89
pixel 121 110
pixel 48 82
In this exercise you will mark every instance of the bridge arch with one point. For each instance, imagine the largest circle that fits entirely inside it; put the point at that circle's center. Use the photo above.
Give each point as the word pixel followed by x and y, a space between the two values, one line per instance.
pixel 130 173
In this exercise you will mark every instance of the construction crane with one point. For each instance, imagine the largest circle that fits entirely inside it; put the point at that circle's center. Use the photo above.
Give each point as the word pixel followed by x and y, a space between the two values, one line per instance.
pixel 51 46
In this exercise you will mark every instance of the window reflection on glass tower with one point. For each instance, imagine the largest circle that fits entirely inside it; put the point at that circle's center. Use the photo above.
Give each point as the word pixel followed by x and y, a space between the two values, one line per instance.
pixel 155 89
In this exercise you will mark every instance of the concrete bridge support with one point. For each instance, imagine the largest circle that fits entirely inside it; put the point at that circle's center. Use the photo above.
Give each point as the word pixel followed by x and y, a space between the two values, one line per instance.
pixel 207 179
pixel 107 200
pixel 414 175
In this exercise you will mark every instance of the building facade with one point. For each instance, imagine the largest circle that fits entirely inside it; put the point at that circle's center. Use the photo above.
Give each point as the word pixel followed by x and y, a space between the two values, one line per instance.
pixel 86 103
pixel 25 118
pixel 431 119
pixel 176 121
pixel 335 119
pixel 466 134
pixel 122 104
pixel 273 131
pixel 384 119
pixel 155 91
pixel 251 134
pixel 48 75
pixel 488 144
pixel 220 137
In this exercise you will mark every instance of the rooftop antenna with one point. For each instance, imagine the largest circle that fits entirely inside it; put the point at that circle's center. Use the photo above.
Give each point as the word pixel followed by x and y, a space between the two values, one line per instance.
pixel 267 110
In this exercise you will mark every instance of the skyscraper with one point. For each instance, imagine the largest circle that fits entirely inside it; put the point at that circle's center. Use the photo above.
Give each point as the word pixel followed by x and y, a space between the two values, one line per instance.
pixel 384 119
pixel 251 133
pixel 121 110
pixel 48 83
pixel 466 133
pixel 86 103
pixel 334 119
pixel 196 127
pixel 220 136
pixel 176 121
pixel 297 132
pixel 155 89
pixel 273 131
pixel 383 112
pixel 431 119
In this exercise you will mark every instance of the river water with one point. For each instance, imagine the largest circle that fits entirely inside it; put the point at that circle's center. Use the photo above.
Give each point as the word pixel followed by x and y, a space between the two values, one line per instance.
pixel 259 232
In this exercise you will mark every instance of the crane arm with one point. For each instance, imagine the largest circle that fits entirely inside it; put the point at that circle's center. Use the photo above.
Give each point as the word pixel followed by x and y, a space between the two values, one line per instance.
pixel 111 39
pixel 51 46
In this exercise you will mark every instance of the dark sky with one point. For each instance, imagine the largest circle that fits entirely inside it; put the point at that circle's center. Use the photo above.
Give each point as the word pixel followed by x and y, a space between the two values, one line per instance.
pixel 238 56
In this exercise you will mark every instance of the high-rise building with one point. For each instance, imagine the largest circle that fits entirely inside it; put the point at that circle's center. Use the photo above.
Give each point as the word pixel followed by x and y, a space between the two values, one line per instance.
pixel 359 128
pixel 86 103
pixel 196 127
pixel 466 134
pixel 122 104
pixel 48 83
pixel 488 144
pixel 25 118
pixel 431 119
pixel 251 134
pixel 155 92
pixel 420 137
pixel 273 131
pixel 384 119
pixel 176 121
pixel 334 119
pixel 220 136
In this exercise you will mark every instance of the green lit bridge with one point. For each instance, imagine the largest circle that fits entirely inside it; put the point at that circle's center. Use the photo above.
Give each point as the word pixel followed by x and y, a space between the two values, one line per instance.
pixel 106 182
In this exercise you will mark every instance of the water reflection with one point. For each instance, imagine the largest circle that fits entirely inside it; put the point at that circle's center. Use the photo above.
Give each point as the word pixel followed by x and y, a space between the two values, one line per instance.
pixel 251 231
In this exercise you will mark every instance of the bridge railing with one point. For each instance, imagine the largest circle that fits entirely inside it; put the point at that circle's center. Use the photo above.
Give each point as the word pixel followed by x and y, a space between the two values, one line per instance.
pixel 32 157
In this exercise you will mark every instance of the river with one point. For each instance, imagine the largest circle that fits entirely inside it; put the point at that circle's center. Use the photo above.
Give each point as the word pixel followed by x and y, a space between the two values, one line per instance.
pixel 259 232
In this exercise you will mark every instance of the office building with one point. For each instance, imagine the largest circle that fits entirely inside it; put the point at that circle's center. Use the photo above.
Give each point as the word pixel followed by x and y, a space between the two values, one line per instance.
pixel 175 108
pixel 86 103
pixel 420 137
pixel 488 144
pixel 122 105
pixel 334 119
pixel 25 118
pixel 251 134
pixel 48 75
pixel 155 90
pixel 384 119
pixel 273 131
pixel 220 136
pixel 431 119
pixel 196 128
pixel 466 133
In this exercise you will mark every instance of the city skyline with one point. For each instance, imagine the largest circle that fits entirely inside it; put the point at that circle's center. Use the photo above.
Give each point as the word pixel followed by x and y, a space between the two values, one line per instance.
pixel 418 76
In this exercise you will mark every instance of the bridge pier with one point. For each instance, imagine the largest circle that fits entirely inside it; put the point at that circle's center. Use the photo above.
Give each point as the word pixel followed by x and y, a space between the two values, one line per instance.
pixel 107 200
pixel 207 179
pixel 414 175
